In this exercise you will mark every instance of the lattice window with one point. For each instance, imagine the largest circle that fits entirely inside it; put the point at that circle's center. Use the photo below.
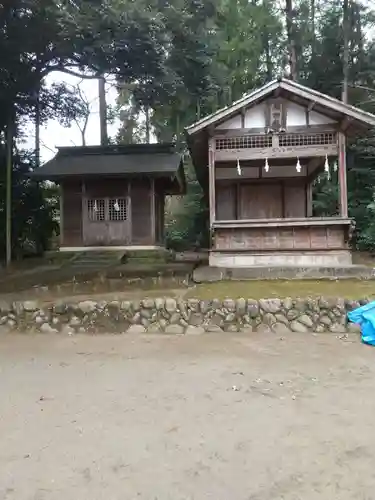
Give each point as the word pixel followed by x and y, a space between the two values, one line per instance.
pixel 117 209
pixel 96 209
pixel 322 139
pixel 245 142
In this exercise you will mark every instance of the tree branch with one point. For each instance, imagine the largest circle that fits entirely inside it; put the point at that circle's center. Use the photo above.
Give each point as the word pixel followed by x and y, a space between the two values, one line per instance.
pixel 369 89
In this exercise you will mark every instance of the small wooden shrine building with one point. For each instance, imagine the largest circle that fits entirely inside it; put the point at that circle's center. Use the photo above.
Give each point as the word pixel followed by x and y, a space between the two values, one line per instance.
pixel 113 196
pixel 260 156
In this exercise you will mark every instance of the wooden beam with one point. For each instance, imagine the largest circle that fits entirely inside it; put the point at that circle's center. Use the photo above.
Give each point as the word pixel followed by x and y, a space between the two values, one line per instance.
pixel 297 129
pixel 282 152
pixel 342 175
pixel 153 225
pixel 211 175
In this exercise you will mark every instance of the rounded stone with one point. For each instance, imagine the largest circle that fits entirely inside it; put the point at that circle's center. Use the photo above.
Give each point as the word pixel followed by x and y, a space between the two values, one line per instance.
pixel 230 318
pixel 194 330
pixel 325 320
pixel 288 303
pixel 298 327
pixel 196 319
pixel 210 328
pixel 163 323
pixel 241 306
pixel 67 330
pixel 145 322
pixel 280 328
pixel 193 305
pixel 154 328
pixel 205 306
pixel 270 305
pixel 136 318
pixel 159 303
pixel 337 328
pixel 146 313
pixel 292 314
pixel 269 319
pixel 320 329
pixel 30 306
pixel 170 305
pixel 174 329
pixel 136 329
pixel 229 305
pixel 230 327
pixel 125 305
pixel 280 318
pixel 306 320
pixel 5 307
pixel 252 308
pixel 46 328
pixel 11 323
pixel 216 320
pixel 216 304
pixel 87 306
pixel 175 318
pixel 74 321
pixel 148 303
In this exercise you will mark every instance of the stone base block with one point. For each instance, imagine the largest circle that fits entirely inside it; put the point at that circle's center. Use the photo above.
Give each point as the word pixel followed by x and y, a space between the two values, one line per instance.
pixel 242 259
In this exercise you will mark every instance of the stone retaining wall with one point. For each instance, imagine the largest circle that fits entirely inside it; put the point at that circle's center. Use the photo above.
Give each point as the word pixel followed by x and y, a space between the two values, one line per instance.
pixel 170 316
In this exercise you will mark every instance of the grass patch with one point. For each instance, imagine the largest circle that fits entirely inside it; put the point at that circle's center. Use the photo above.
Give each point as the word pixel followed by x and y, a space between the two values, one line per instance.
pixel 351 289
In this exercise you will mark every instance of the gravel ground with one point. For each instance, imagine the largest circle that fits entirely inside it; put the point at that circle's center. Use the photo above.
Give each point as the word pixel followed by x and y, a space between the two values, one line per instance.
pixel 211 417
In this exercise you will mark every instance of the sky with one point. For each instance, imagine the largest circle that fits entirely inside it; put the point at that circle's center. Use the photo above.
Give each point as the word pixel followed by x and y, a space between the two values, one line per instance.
pixel 52 134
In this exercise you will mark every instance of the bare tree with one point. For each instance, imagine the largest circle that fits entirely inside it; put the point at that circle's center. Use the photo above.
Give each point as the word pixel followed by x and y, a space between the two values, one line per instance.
pixel 83 120
pixel 291 39
pixel 345 59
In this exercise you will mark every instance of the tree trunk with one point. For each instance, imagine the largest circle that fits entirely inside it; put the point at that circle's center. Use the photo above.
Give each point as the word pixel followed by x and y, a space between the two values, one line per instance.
pixel 103 112
pixel 345 59
pixel 291 40
pixel 147 113
pixel 37 130
pixel 313 36
pixel 267 46
pixel 9 168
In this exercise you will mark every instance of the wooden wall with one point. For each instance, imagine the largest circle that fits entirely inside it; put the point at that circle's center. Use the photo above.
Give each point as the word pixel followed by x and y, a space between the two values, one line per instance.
pixel 143 207
pixel 71 216
pixel 283 238
pixel 257 200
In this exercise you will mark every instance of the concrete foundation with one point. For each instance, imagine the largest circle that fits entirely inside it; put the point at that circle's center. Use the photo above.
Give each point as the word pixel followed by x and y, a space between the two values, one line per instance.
pixel 236 259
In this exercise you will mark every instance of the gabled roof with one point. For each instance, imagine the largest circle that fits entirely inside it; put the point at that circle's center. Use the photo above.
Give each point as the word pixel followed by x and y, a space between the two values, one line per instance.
pixel 332 106
pixel 155 160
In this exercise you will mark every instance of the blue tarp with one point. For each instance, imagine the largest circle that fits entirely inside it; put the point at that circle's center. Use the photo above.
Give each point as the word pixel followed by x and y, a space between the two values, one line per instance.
pixel 365 317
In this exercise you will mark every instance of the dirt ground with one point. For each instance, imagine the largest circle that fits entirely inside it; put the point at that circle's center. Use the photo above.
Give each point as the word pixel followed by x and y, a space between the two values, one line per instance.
pixel 175 418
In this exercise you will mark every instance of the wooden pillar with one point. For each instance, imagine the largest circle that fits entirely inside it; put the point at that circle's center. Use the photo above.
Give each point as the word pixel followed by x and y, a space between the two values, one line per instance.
pixel 153 225
pixel 129 214
pixel 61 214
pixel 211 176
pixel 309 200
pixel 342 175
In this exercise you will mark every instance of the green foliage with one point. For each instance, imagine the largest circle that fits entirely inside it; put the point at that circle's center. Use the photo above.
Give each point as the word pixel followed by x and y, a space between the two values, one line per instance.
pixel 32 210
pixel 187 217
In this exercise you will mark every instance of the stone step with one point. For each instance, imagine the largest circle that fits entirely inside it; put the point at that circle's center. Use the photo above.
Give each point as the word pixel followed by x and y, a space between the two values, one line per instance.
pixel 96 260
pixel 209 274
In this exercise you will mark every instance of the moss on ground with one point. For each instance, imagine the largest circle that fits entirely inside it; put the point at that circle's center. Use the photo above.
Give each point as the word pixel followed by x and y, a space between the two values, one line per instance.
pixel 351 289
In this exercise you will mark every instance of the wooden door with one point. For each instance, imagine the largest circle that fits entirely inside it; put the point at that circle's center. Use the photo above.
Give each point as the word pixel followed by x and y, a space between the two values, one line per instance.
pixel 106 221
pixel 295 201
pixel 225 202
pixel 261 201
